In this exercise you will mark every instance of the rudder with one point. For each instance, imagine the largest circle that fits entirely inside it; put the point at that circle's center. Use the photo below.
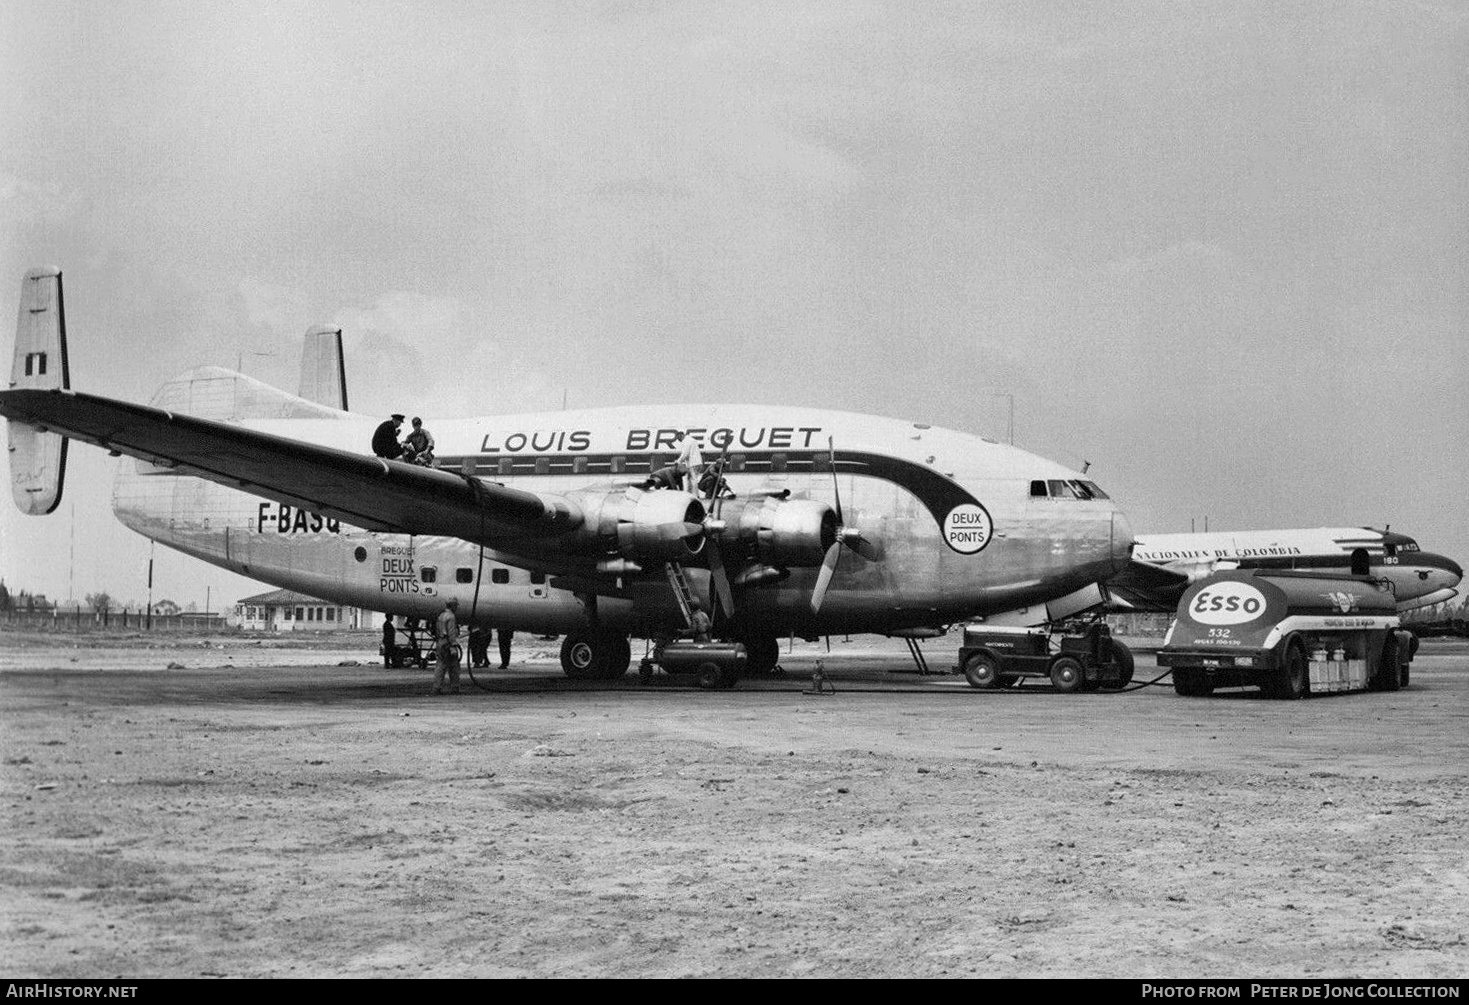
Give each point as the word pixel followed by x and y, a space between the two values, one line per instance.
pixel 38 457
pixel 323 373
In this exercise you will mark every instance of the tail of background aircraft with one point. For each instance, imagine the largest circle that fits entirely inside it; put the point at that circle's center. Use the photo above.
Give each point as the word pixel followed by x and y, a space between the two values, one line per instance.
pixel 38 457
pixel 323 373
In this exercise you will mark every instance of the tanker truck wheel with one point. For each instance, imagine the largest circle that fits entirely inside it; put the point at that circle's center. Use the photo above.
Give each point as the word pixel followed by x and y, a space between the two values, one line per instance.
pixel 1389 674
pixel 1067 675
pixel 1291 680
pixel 1191 685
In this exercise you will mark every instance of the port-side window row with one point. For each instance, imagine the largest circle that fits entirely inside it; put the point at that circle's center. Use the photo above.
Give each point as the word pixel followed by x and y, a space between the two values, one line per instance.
pixel 621 465
pixel 465 574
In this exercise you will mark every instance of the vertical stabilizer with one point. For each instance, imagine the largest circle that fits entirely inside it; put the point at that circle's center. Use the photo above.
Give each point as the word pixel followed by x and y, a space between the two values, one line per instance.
pixel 38 457
pixel 323 373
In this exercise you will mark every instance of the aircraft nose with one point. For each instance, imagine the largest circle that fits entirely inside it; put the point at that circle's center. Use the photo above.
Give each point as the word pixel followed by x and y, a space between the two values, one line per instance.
pixel 1121 541
pixel 1454 570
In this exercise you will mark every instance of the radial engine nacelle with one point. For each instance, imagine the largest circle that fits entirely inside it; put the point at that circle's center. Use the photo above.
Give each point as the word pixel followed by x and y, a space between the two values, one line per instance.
pixel 785 533
pixel 642 526
pixel 648 527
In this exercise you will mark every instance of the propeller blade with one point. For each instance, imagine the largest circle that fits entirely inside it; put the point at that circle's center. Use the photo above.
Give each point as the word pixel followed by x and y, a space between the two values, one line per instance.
pixel 868 549
pixel 835 488
pixel 720 580
pixel 823 578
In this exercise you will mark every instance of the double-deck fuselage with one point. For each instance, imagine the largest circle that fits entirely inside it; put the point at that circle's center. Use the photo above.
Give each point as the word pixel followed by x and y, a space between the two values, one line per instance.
pixel 951 526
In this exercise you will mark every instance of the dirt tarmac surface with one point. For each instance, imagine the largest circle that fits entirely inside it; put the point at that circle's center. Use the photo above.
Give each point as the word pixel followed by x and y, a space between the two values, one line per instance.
pixel 259 811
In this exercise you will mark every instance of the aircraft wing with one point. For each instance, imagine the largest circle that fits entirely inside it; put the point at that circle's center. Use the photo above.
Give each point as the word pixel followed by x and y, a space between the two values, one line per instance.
pixel 362 490
pixel 1145 587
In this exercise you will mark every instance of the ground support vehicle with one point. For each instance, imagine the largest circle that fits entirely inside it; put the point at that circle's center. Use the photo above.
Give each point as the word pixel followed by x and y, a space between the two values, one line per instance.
pixel 1074 656
pixel 713 664
pixel 1291 634
pixel 417 650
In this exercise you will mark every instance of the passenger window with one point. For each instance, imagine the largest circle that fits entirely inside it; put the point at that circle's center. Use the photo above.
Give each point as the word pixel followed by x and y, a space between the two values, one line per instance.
pixel 619 465
pixel 821 462
pixel 429 574
pixel 506 466
pixel 1038 489
pixel 736 462
pixel 778 462
pixel 543 465
pixel 499 575
pixel 579 466
pixel 463 575
pixel 537 578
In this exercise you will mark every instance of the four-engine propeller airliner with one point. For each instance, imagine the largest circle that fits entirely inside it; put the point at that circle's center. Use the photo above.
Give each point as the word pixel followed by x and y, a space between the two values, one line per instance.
pixel 1164 565
pixel 826 522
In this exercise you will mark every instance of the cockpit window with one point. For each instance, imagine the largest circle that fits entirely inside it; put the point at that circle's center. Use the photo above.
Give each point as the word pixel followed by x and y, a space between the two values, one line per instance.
pixel 1409 546
pixel 1038 489
pixel 1061 490
pixel 1093 491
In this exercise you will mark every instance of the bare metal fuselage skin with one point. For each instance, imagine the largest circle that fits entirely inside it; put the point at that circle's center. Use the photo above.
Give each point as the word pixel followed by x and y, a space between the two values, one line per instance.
pixel 941 559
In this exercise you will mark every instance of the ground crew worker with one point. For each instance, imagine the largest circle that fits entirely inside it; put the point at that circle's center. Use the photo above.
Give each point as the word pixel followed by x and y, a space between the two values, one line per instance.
pixel 690 462
pixel 505 636
pixel 479 647
pixel 418 446
pixel 446 633
pixel 390 644
pixel 699 622
pixel 385 437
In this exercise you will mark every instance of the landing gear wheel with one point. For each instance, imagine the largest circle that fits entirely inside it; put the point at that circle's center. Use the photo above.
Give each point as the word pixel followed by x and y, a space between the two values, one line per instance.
pixel 1067 675
pixel 982 671
pixel 1292 680
pixel 619 657
pixel 1122 656
pixel 1190 685
pixel 762 653
pixel 584 655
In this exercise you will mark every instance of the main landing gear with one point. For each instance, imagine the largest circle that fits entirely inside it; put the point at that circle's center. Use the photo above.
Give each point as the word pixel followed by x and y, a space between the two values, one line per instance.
pixel 587 654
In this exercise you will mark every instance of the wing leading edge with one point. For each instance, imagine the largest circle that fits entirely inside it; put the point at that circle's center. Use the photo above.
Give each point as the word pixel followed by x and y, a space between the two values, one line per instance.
pixel 368 492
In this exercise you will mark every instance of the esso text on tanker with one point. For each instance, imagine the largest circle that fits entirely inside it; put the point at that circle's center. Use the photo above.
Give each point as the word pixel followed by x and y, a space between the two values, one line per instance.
pixel 1227 604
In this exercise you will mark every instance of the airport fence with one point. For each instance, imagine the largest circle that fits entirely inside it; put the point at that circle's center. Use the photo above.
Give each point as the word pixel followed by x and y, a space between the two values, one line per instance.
pixel 81 619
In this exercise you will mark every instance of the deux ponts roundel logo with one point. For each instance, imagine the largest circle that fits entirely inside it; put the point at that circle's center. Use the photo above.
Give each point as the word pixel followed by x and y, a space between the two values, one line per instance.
pixel 968 528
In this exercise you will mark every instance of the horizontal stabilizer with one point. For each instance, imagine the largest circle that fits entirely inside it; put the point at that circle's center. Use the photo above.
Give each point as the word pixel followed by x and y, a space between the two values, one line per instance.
pixel 323 373
pixel 38 456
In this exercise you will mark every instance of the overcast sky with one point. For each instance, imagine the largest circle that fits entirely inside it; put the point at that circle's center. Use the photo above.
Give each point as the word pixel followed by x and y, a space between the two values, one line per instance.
pixel 1218 250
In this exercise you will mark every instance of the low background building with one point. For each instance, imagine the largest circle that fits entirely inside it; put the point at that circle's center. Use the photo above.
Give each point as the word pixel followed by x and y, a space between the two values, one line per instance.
pixel 289 611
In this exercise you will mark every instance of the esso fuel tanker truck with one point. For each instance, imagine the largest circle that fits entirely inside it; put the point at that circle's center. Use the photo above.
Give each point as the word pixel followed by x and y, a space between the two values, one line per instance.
pixel 1289 634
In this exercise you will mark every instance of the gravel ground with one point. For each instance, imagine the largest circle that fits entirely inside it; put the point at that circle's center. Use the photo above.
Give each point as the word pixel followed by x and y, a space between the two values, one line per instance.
pixel 260 810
